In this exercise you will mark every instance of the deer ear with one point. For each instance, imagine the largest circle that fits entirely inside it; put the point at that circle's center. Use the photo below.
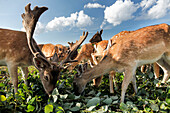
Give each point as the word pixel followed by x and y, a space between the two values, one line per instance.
pixel 101 31
pixel 85 67
pixel 69 43
pixel 54 58
pixel 38 64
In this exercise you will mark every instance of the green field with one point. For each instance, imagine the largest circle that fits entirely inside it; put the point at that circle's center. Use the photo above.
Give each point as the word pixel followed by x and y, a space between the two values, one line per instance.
pixel 32 98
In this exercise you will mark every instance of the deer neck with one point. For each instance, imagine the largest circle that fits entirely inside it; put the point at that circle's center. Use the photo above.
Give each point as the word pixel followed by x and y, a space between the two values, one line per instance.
pixel 105 66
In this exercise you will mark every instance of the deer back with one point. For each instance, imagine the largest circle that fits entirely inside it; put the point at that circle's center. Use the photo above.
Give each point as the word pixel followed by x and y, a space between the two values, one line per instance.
pixel 14 47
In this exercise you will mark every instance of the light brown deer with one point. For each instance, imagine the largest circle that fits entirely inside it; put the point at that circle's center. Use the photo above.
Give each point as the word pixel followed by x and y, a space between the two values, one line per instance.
pixel 143 46
pixel 20 49
pixel 101 51
pixel 86 50
pixel 49 50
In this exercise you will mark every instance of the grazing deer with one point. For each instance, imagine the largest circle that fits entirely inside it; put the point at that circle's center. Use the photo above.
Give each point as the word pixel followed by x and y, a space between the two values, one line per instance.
pixel 20 49
pixel 143 46
pixel 101 51
pixel 85 54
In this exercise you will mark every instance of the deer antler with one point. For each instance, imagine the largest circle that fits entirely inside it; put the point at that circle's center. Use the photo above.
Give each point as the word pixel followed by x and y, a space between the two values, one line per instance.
pixel 30 18
pixel 73 49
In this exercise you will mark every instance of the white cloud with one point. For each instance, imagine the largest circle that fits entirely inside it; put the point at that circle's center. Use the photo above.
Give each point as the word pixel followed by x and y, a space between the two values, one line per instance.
pixel 94 5
pixel 78 19
pixel 62 22
pixel 145 4
pixel 159 10
pixel 120 11
pixel 40 28
pixel 83 20
pixel 102 25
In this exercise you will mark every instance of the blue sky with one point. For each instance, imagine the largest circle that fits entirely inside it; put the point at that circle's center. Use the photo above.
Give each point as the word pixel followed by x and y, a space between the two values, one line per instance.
pixel 65 20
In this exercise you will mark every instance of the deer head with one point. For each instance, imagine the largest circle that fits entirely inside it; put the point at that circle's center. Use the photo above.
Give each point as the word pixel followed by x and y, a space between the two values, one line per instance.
pixel 49 70
pixel 97 37
pixel 71 44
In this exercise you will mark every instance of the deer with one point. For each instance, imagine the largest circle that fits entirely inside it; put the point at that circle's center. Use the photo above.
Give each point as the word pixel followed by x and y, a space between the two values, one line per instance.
pixel 49 50
pixel 71 44
pixel 19 49
pixel 101 51
pixel 86 50
pixel 143 46
pixel 85 54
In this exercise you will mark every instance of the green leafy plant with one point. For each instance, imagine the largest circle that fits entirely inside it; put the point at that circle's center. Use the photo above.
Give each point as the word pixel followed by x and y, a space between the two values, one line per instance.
pixel 32 98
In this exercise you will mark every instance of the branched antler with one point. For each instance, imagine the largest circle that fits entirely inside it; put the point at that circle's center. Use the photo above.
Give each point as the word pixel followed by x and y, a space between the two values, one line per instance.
pixel 30 18
pixel 73 49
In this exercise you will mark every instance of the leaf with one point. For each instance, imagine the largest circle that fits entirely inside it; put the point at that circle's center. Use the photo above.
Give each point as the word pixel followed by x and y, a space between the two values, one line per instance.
pixel 59 109
pixel 76 108
pixel 130 104
pixel 30 108
pixel 168 100
pixel 76 97
pixel 91 92
pixel 67 106
pixel 55 97
pixel 64 96
pixel 2 85
pixel 31 101
pixel 91 108
pixel 55 92
pixel 114 97
pixel 48 108
pixel 98 94
pixel 163 106
pixel 2 98
pixel 150 75
pixel 154 107
pixel 123 107
pixel 93 102
pixel 115 102
pixel 71 96
pixel 108 101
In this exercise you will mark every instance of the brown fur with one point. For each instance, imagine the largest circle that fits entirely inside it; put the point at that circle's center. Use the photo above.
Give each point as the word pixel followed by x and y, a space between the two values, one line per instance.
pixel 143 46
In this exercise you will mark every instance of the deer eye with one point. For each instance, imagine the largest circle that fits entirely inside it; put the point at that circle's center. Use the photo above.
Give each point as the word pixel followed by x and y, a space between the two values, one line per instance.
pixel 45 77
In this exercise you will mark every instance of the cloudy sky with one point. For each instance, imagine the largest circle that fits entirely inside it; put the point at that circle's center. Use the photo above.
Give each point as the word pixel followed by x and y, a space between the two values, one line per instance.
pixel 67 19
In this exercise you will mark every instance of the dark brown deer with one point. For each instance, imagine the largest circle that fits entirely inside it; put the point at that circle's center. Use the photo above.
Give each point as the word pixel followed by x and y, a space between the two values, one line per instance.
pixel 144 46
pixel 20 49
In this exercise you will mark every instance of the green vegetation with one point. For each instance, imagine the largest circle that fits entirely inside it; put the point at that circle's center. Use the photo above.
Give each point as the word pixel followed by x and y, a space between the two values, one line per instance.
pixel 32 98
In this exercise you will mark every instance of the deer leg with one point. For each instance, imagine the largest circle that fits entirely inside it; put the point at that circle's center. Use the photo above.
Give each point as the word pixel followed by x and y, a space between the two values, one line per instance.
pixel 97 81
pixel 91 62
pixel 94 58
pixel 24 71
pixel 134 84
pixel 142 69
pixel 166 68
pixel 14 76
pixel 128 77
pixel 156 72
pixel 111 74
